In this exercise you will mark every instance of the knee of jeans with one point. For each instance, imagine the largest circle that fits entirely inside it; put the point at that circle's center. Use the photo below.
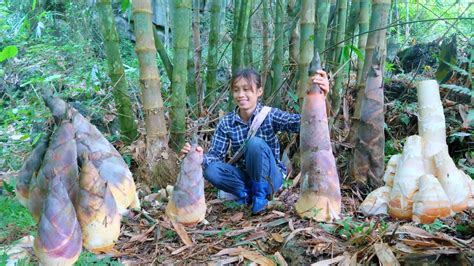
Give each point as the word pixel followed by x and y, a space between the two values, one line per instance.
pixel 211 173
pixel 256 143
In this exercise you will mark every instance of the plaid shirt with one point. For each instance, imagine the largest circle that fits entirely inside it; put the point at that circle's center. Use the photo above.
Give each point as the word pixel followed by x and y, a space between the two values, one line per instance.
pixel 232 130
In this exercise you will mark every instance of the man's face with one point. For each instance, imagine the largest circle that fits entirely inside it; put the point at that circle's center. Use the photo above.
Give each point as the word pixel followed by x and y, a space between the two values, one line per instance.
pixel 245 94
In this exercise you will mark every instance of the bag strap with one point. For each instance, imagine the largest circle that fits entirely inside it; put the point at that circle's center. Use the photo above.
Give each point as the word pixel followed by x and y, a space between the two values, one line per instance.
pixel 256 123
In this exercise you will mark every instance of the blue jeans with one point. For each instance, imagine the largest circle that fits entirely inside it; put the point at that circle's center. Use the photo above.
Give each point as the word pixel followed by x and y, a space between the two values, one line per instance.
pixel 260 166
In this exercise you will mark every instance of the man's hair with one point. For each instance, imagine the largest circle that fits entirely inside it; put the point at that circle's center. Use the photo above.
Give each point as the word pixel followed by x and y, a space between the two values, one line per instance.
pixel 248 74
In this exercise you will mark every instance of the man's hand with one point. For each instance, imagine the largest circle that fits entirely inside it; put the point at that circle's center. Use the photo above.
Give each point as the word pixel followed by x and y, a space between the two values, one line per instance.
pixel 187 148
pixel 321 78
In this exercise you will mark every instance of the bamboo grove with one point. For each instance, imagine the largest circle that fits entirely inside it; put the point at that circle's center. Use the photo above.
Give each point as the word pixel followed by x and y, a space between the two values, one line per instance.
pixel 299 28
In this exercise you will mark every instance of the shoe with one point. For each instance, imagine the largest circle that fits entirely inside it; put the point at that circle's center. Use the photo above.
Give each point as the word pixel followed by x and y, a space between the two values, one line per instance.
pixel 259 196
pixel 243 198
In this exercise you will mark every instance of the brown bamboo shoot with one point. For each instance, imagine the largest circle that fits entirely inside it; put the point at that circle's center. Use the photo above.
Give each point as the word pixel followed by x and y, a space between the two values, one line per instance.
pixel 59 240
pixel 60 160
pixel 97 211
pixel 29 170
pixel 188 204
pixel 321 194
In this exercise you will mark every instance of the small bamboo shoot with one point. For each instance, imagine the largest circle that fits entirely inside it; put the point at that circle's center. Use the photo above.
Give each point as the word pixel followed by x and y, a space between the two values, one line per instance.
pixel 97 210
pixel 188 204
pixel 430 202
pixel 410 168
pixel 59 240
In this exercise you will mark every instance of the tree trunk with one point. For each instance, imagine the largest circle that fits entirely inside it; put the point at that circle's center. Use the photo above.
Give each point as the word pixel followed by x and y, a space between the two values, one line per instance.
pixel 294 7
pixel 159 168
pixel 375 39
pixel 337 91
pixel 265 44
pixel 212 53
pixel 353 19
pixel 128 126
pixel 330 61
pixel 306 45
pixel 368 157
pixel 197 54
pixel 363 27
pixel 241 16
pixel 278 53
pixel 321 28
pixel 240 35
pixel 163 55
pixel 248 55
pixel 181 21
pixel 191 89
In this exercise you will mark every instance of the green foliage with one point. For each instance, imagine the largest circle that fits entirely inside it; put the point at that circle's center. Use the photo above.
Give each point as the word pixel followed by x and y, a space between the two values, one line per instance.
pixel 16 219
pixel 230 204
pixel 437 225
pixel 458 89
pixel 87 258
pixel 8 52
pixel 170 234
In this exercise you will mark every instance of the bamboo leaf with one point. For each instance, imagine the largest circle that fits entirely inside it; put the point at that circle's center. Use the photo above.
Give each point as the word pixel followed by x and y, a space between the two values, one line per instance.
pixel 457 69
pixel 8 52
pixel 125 5
pixel 458 89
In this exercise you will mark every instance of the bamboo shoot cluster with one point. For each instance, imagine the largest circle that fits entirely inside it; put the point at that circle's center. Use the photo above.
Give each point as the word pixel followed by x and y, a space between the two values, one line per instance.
pixel 188 204
pixel 423 183
pixel 77 186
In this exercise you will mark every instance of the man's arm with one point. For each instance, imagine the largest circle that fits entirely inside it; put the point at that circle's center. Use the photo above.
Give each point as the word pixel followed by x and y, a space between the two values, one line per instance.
pixel 219 145
pixel 284 121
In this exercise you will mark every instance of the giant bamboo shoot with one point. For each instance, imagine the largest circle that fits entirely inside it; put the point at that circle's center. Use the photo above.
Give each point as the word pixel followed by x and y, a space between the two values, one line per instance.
pixel 321 194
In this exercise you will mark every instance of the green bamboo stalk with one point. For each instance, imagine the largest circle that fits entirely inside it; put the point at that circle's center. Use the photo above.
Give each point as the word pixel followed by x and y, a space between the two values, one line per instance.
pixel 155 124
pixel 265 44
pixel 321 28
pixel 181 21
pixel 330 61
pixel 363 27
pixel 278 53
pixel 197 51
pixel 212 53
pixel 248 55
pixel 163 54
pixel 128 126
pixel 293 10
pixel 240 35
pixel 337 91
pixel 353 19
pixel 306 45
pixel 191 89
